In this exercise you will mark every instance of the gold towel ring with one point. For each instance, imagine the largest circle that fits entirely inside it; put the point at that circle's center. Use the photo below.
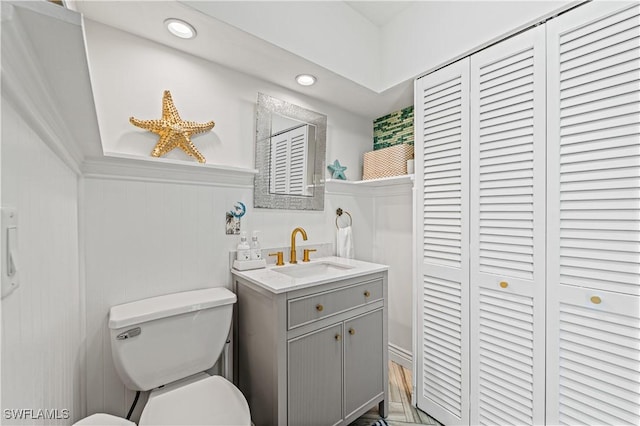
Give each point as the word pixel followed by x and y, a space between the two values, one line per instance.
pixel 339 213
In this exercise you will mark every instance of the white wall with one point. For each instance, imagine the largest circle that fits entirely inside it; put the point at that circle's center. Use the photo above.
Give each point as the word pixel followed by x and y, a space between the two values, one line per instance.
pixel 430 33
pixel 393 245
pixel 144 237
pixel 42 320
pixel 129 75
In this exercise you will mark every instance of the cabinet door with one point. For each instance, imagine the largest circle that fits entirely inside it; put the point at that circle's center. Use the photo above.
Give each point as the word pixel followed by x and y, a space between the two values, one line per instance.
pixel 363 361
pixel 314 379
pixel 507 235
pixel 442 243
pixel 593 346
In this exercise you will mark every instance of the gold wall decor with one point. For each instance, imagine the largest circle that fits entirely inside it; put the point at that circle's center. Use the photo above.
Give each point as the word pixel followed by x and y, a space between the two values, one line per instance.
pixel 174 132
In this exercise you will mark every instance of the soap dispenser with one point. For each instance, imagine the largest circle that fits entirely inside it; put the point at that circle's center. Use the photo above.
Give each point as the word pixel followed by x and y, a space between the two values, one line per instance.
pixel 243 249
pixel 256 252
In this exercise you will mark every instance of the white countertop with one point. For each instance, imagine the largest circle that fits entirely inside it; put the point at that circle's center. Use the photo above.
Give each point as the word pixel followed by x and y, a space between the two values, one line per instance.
pixel 269 279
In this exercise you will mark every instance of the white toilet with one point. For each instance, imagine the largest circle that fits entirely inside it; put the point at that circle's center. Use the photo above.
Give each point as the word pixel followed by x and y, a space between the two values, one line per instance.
pixel 166 343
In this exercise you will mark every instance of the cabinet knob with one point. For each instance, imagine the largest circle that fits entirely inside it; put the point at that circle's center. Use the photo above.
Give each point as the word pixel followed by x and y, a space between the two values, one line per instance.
pixel 352 331
pixel 338 337
pixel 504 284
pixel 596 300
pixel 319 307
pixel 366 293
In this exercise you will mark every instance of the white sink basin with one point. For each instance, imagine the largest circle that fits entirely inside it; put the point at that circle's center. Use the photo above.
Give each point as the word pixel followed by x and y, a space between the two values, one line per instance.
pixel 315 269
pixel 322 270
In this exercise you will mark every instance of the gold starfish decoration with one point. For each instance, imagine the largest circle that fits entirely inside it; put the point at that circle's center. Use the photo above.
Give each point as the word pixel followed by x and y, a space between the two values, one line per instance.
pixel 174 131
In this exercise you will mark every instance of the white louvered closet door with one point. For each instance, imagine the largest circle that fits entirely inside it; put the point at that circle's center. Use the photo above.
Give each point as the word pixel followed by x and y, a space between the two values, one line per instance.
pixel 442 220
pixel 508 231
pixel 593 347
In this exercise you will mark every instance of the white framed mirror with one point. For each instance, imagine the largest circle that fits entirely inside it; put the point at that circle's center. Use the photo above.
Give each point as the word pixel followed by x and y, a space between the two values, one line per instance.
pixel 290 156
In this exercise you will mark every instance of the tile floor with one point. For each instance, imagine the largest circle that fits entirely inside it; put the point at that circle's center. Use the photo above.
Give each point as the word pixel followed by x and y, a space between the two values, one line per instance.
pixel 401 412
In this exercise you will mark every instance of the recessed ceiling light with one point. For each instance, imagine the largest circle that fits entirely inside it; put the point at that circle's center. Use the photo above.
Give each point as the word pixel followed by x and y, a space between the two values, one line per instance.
pixel 306 80
pixel 180 28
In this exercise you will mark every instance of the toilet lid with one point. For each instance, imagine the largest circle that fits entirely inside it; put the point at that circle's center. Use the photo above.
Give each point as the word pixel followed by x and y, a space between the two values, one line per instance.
pixel 210 401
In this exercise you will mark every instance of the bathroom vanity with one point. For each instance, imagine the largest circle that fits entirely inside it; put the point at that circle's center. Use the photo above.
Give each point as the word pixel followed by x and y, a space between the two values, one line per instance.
pixel 312 341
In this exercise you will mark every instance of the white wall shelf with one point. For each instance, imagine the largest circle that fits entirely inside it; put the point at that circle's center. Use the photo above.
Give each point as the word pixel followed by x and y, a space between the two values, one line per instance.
pixel 121 166
pixel 380 186
pixel 387 181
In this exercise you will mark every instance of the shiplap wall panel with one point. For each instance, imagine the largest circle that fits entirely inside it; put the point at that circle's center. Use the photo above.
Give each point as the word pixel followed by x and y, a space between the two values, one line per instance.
pixel 594 216
pixel 507 237
pixel 441 132
pixel 42 320
pixel 146 239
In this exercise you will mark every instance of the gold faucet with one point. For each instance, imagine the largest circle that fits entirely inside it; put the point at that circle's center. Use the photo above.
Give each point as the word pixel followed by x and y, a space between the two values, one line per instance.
pixel 293 243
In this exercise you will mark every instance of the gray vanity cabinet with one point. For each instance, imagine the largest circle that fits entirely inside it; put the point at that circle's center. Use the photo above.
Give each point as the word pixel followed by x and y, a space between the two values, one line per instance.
pixel 313 356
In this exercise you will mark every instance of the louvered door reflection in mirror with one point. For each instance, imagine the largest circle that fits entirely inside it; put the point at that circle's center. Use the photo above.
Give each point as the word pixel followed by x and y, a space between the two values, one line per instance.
pixel 290 156
pixel 291 168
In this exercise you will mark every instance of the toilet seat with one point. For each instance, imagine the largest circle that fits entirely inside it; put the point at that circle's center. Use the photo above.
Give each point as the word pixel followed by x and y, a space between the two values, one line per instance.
pixel 102 419
pixel 209 400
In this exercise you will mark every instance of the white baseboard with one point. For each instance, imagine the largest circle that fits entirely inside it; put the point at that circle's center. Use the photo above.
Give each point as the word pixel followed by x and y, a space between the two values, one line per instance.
pixel 401 356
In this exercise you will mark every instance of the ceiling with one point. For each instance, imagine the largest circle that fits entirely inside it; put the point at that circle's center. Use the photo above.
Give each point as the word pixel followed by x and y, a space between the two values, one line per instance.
pixel 379 13
pixel 253 55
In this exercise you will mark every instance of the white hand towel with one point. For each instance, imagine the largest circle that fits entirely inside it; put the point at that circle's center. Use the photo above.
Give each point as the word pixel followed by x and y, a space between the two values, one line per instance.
pixel 344 242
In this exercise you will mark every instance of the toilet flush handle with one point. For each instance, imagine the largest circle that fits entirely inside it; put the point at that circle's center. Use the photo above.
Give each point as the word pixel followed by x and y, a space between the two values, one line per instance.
pixel 129 333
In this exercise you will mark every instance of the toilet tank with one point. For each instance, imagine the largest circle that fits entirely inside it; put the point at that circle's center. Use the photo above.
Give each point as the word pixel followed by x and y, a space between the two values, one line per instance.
pixel 159 340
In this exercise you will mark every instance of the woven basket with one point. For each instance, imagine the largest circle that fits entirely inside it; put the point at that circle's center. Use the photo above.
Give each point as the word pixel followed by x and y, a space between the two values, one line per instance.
pixel 387 162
